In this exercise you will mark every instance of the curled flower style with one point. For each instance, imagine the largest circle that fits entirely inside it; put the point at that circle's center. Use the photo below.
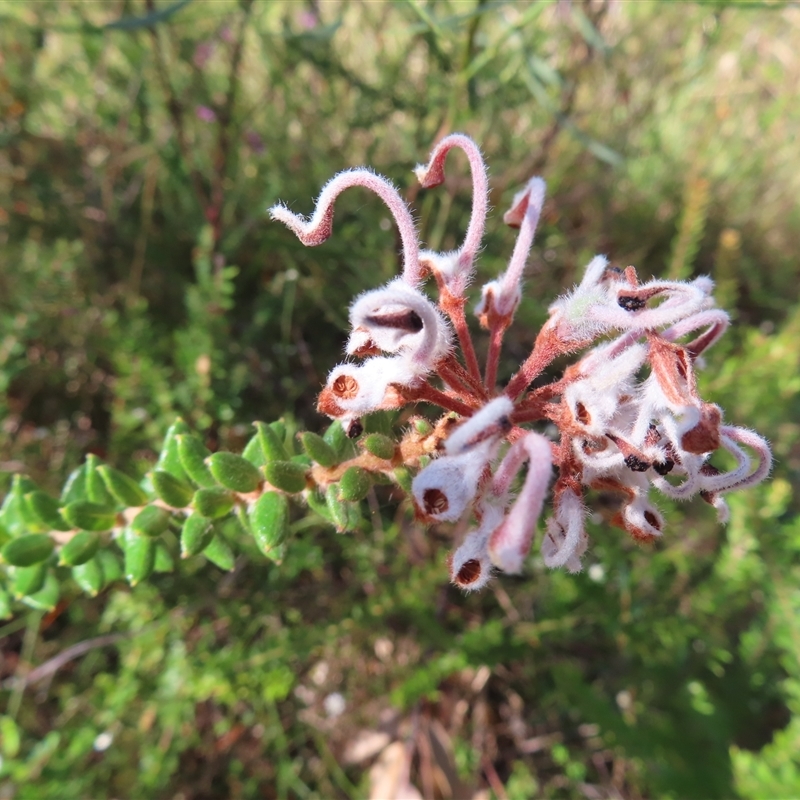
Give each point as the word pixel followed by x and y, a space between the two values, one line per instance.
pixel 628 412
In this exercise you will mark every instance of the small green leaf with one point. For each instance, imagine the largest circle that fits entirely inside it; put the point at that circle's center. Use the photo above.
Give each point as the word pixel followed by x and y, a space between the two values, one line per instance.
pixel 213 503
pixel 123 489
pixel 380 422
pixel 151 521
pixel 110 564
pixel 164 562
pixel 89 516
pixel 269 522
pixel 175 492
pixel 46 598
pixel 28 580
pixel 89 576
pixel 318 503
pixel 5 613
pixel 403 477
pixel 14 510
pixel 195 535
pixel 149 20
pixel 423 426
pixel 219 552
pixel 79 549
pixel 169 460
pixel 27 550
pixel 254 452
pixel 234 472
pixel 45 509
pixel 193 453
pixel 9 737
pixel 140 556
pixel 318 449
pixel 286 476
pixel 75 487
pixel 271 443
pixel 278 427
pixel 380 446
pixel 96 489
pixel 355 484
pixel 337 508
pixel 336 437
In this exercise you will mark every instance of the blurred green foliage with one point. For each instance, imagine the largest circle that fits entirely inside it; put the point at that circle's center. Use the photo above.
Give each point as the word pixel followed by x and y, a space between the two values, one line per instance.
pixel 140 143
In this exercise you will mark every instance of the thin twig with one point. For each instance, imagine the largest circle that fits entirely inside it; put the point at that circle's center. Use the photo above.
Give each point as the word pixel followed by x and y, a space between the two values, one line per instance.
pixel 51 666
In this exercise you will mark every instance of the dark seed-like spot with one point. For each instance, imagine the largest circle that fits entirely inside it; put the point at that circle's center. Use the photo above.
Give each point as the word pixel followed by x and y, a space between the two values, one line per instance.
pixel 663 467
pixel 354 429
pixel 630 303
pixel 435 501
pixel 469 572
pixel 652 520
pixel 583 416
pixel 635 464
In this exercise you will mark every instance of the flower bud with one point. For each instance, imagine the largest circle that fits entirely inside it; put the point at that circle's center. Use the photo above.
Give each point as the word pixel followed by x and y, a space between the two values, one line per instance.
pixel 565 540
pixel 443 490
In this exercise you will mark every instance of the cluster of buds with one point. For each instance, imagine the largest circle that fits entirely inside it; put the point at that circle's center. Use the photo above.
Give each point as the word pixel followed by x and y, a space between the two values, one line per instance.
pixel 628 413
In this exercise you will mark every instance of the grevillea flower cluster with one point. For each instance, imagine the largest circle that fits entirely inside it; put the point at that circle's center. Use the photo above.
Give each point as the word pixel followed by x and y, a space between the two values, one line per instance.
pixel 628 413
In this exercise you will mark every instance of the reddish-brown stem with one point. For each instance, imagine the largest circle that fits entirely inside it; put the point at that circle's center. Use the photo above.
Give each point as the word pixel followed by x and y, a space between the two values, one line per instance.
pixel 537 397
pixel 456 313
pixel 496 334
pixel 430 394
pixel 453 381
pixel 530 414
pixel 454 374
pixel 546 349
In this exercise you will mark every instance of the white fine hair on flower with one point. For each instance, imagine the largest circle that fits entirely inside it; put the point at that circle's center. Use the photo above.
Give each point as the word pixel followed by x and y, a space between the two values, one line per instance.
pixel 443 490
pixel 506 292
pixel 470 565
pixel 432 174
pixel 511 541
pixel 673 417
pixel 317 229
pixel 571 313
pixel 399 318
pixel 565 539
pixel 359 389
pixel 595 399
pixel 723 510
pixel 626 308
pixel 642 519
pixel 491 422
pixel 742 475
pixel 714 320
